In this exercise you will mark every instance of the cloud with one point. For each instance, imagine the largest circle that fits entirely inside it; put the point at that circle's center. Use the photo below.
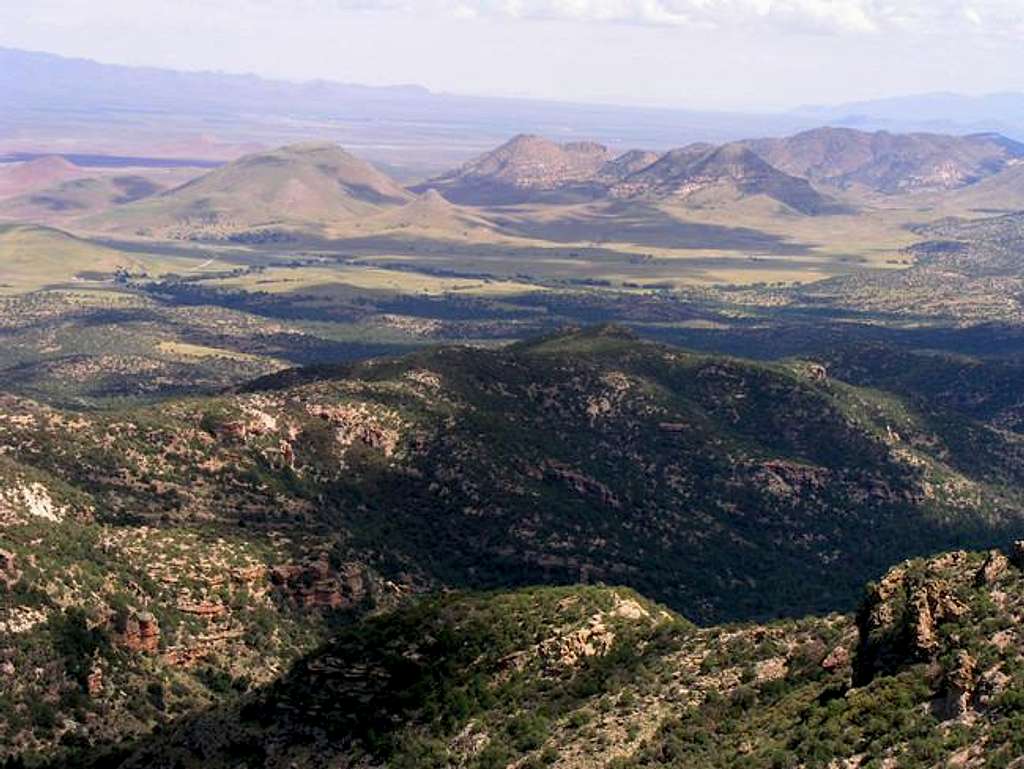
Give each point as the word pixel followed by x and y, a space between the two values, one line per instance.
pixel 925 17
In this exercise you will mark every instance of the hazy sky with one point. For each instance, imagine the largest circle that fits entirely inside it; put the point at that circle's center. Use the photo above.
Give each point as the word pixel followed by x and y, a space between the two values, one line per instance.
pixel 700 53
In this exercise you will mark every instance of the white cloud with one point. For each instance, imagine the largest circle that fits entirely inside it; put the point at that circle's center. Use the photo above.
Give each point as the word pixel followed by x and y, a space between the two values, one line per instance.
pixel 1000 17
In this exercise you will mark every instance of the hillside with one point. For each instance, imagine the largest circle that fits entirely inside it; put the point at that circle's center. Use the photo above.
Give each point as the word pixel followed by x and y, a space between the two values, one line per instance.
pixel 524 168
pixel 31 175
pixel 171 558
pixel 625 165
pixel 721 487
pixel 1001 193
pixel 429 215
pixel 533 169
pixel 34 257
pixel 930 673
pixel 79 197
pixel 707 175
pixel 301 185
pixel 890 163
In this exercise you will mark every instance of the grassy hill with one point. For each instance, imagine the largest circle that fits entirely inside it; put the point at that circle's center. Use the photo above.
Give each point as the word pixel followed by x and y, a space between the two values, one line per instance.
pixel 79 197
pixel 301 185
pixel 28 176
pixel 35 256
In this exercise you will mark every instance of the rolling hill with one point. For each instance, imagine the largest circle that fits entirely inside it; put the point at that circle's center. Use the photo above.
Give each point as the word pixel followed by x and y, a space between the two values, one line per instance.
pixel 890 163
pixel 33 257
pixel 429 216
pixel 301 185
pixel 79 197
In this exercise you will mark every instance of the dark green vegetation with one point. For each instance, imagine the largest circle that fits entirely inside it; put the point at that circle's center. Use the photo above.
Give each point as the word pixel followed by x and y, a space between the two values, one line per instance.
pixel 930 674
pixel 722 487
pixel 183 554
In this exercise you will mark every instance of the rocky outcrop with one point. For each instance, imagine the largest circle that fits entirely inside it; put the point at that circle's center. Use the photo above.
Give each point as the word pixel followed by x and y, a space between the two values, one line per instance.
pixel 138 632
pixel 900 619
pixel 995 566
pixel 318 585
pixel 836 659
pixel 960 686
pixel 94 680
pixel 33 499
pixel 1017 554
pixel 205 609
pixel 594 639
pixel 358 423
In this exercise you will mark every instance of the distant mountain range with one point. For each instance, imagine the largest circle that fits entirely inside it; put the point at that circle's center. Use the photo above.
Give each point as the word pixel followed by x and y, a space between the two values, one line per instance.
pixel 798 172
pixel 312 186
pixel 118 109
pixel 939 112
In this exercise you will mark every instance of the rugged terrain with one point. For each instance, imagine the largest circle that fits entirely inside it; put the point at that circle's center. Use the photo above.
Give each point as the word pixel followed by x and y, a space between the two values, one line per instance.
pixel 533 169
pixel 787 170
pixel 280 487
pixel 929 673
pixel 162 559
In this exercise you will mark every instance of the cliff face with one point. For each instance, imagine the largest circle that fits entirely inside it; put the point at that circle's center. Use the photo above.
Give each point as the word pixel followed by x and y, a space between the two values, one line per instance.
pixel 959 616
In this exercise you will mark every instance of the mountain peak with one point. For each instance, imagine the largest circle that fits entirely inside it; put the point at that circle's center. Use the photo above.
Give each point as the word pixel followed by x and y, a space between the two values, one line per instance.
pixel 523 165
pixel 309 183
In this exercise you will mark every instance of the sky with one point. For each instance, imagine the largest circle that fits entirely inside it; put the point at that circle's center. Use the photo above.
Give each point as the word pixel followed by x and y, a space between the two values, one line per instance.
pixel 721 54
